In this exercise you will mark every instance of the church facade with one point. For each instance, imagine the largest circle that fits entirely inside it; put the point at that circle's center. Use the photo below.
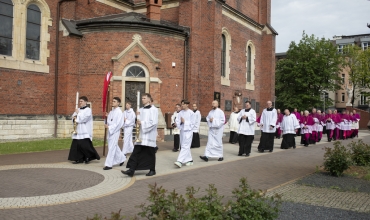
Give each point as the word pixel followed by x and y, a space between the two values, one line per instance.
pixel 199 50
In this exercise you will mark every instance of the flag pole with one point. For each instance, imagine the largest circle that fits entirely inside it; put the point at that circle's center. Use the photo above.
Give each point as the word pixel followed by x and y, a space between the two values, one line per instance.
pixel 105 122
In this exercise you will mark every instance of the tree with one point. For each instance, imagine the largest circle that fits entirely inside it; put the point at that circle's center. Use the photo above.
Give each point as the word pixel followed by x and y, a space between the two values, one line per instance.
pixel 310 68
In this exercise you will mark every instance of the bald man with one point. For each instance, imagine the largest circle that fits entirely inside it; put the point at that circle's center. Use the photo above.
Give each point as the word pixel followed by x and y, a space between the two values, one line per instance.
pixel 215 121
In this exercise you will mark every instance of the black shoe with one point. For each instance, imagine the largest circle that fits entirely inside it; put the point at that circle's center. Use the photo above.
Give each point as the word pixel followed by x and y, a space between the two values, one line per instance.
pixel 240 154
pixel 247 155
pixel 151 173
pixel 220 159
pixel 174 150
pixel 121 163
pixel 270 151
pixel 306 145
pixel 204 158
pixel 107 168
pixel 128 172
pixel 77 162
pixel 87 161
pixel 261 151
pixel 233 142
pixel 294 147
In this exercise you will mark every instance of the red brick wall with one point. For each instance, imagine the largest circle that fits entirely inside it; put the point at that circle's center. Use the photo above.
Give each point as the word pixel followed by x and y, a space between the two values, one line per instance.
pixel 170 14
pixel 247 7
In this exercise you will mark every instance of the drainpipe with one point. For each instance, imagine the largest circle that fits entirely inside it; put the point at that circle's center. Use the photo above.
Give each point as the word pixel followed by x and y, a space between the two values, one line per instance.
pixel 57 66
pixel 185 84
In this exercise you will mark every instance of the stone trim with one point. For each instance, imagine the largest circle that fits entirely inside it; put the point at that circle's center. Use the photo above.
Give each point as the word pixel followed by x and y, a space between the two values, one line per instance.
pixel 18 59
pixel 138 8
pixel 136 42
pixel 241 20
pixel 250 85
pixel 225 81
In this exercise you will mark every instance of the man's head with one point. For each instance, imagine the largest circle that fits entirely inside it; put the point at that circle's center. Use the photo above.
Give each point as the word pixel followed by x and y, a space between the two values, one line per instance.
pixel 295 110
pixel 286 111
pixel 248 105
pixel 306 113
pixel 236 109
pixel 185 104
pixel 215 104
pixel 128 105
pixel 354 111
pixel 195 107
pixel 313 110
pixel 329 111
pixel 269 104
pixel 116 101
pixel 146 98
pixel 82 101
pixel 335 111
pixel 319 112
pixel 278 110
pixel 178 107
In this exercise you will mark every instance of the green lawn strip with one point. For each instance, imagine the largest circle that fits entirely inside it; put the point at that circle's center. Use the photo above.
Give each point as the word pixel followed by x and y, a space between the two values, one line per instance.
pixel 39 145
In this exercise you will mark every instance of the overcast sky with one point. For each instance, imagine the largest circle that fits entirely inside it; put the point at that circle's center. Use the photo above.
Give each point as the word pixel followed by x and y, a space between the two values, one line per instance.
pixel 323 18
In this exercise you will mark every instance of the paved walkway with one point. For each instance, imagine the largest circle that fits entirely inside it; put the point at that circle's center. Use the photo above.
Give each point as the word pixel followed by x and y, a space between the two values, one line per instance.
pixel 116 191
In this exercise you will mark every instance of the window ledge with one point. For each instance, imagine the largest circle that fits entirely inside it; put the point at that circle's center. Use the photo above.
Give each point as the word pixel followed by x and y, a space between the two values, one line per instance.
pixel 28 65
pixel 225 81
pixel 249 86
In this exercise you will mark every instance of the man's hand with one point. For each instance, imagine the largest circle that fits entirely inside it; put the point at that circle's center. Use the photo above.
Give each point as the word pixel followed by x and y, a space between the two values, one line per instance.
pixel 244 117
pixel 77 110
pixel 106 114
pixel 124 119
pixel 138 121
pixel 211 119
pixel 106 126
pixel 182 120
pixel 137 113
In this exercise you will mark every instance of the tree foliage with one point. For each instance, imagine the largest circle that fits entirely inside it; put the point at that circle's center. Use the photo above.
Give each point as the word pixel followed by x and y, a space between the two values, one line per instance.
pixel 357 63
pixel 311 67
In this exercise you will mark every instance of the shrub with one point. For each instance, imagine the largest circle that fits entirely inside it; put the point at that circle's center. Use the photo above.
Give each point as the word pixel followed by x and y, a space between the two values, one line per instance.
pixel 246 204
pixel 360 153
pixel 337 160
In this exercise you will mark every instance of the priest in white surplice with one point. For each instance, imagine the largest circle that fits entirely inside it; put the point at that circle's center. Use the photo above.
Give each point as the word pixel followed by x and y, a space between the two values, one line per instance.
pixel 176 131
pixel 185 122
pixel 215 121
pixel 234 126
pixel 143 156
pixel 246 119
pixel 268 128
pixel 82 149
pixel 195 143
pixel 114 125
pixel 289 127
pixel 129 117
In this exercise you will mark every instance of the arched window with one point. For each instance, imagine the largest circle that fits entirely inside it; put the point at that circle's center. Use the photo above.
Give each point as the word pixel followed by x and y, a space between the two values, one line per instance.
pixel 33 32
pixel 223 56
pixel 249 65
pixel 135 71
pixel 6 27
pixel 250 74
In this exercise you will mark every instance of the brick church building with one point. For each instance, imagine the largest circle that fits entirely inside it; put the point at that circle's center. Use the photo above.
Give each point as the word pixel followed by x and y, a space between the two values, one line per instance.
pixel 200 50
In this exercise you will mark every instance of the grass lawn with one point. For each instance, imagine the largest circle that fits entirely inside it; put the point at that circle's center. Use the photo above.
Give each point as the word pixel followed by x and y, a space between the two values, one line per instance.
pixel 40 145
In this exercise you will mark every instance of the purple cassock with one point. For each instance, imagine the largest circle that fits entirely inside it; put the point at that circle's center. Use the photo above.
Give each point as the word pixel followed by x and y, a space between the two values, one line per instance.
pixel 306 123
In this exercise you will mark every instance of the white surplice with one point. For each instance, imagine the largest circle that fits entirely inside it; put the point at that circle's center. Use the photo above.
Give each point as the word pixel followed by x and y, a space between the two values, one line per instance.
pixel 84 124
pixel 128 125
pixel 186 134
pixel 148 128
pixel 197 119
pixel 246 126
pixel 289 124
pixel 233 122
pixel 268 118
pixel 114 122
pixel 173 121
pixel 214 146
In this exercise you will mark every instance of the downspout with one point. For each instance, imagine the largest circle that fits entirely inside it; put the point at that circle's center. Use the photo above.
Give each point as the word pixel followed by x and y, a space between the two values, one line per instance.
pixel 185 84
pixel 57 66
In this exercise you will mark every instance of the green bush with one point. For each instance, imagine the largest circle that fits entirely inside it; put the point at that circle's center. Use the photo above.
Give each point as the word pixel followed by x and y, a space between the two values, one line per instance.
pixel 337 160
pixel 246 204
pixel 360 153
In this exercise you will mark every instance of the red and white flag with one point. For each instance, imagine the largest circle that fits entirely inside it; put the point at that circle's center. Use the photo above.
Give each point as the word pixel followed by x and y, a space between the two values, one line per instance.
pixel 105 91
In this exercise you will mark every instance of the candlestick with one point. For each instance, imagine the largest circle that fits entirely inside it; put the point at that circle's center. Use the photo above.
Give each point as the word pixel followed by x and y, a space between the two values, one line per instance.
pixel 76 100
pixel 138 100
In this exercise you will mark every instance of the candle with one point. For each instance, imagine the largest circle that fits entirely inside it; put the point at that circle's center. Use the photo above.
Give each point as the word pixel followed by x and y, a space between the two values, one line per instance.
pixel 76 100
pixel 138 100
